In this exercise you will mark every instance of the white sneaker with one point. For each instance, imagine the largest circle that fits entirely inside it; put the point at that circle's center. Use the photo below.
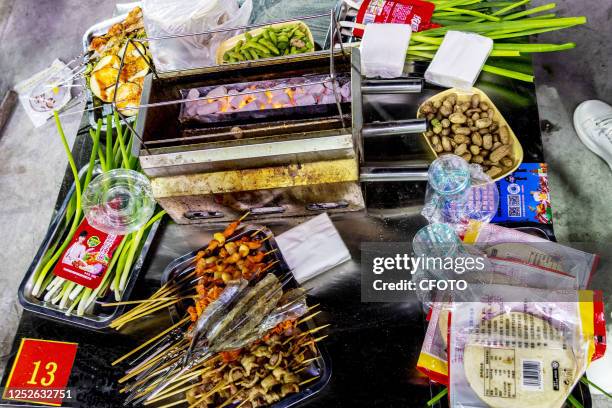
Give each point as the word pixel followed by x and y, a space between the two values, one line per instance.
pixel 593 123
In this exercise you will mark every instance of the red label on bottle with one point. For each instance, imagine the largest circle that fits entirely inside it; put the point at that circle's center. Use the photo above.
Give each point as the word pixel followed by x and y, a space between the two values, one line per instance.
pixel 416 13
pixel 86 258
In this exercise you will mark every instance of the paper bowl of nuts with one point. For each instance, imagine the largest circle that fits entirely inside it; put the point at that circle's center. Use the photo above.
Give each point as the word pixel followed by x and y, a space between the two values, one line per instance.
pixel 468 124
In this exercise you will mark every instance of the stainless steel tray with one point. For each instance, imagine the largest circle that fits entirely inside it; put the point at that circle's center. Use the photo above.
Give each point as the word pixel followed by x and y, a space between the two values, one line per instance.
pixel 101 317
pixel 90 105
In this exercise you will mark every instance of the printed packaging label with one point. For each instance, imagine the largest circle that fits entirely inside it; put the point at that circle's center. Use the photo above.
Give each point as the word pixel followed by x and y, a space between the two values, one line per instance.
pixel 416 13
pixel 86 258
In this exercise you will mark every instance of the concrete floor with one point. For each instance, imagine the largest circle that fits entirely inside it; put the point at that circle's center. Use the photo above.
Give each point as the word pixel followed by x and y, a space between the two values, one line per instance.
pixel 32 161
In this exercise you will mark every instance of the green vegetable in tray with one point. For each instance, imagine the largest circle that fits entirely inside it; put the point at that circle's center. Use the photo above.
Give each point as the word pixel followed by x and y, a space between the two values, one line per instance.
pixel 272 42
pixel 68 295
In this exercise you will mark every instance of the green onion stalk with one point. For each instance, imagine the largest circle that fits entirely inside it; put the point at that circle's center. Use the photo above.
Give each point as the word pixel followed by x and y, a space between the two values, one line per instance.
pixel 69 296
pixel 498 20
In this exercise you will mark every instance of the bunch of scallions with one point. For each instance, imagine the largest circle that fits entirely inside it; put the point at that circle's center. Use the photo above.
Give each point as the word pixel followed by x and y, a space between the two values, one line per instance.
pixel 67 295
pixel 507 23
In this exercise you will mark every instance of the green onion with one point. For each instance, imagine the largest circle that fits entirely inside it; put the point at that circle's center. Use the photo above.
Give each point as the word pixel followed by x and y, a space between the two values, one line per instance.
pixel 528 12
pixel 574 402
pixel 438 397
pixel 586 381
pixel 76 220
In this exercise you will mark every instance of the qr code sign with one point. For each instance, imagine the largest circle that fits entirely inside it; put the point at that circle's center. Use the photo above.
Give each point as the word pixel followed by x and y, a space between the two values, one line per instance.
pixel 514 200
pixel 514 205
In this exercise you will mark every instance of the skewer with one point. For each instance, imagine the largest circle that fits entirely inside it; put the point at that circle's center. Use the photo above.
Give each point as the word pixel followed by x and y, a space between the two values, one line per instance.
pixel 172 390
pixel 218 388
pixel 169 329
pixel 307 318
pixel 271 251
pixel 308 380
pixel 134 302
pixel 242 403
pixel 167 395
pixel 257 232
pixel 124 321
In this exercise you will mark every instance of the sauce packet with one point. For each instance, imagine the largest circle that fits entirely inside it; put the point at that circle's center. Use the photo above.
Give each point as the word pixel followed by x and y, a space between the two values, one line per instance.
pixel 416 13
pixel 85 260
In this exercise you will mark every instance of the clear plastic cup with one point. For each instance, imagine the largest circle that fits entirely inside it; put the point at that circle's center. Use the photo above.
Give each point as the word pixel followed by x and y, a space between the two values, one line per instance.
pixel 118 202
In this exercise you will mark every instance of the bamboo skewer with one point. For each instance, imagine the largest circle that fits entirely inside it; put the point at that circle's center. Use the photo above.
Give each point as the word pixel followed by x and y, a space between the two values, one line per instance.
pixel 134 302
pixel 308 380
pixel 209 393
pixel 151 340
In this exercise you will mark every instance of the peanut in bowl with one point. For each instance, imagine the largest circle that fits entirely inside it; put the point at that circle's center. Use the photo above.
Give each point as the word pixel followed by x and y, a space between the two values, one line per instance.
pixel 468 124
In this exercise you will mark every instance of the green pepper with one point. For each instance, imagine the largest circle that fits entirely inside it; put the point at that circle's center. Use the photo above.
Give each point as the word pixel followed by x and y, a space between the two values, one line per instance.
pixel 236 55
pixel 248 36
pixel 282 45
pixel 257 46
pixel 269 45
pixel 273 37
pixel 232 59
pixel 253 53
pixel 294 50
pixel 238 45
pixel 266 34
pixel 286 51
pixel 298 34
pixel 245 54
pixel 226 57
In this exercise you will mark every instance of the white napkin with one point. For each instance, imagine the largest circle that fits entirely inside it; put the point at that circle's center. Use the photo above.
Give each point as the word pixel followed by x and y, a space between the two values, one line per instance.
pixel 459 60
pixel 383 50
pixel 312 248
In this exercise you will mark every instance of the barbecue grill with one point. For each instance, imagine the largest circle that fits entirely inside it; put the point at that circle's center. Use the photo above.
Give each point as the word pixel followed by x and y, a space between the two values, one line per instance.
pixel 273 162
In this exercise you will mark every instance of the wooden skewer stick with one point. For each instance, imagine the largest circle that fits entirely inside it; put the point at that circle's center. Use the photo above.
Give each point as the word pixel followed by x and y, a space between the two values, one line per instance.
pixel 134 302
pixel 308 381
pixel 313 307
pixel 148 364
pixel 266 238
pixel 271 264
pixel 242 403
pixel 257 232
pixel 271 251
pixel 309 317
pixel 246 214
pixel 167 395
pixel 147 312
pixel 151 340
pixel 218 388
pixel 171 390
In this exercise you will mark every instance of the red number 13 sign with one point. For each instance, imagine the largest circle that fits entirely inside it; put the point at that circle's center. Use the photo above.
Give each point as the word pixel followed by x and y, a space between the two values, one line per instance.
pixel 40 371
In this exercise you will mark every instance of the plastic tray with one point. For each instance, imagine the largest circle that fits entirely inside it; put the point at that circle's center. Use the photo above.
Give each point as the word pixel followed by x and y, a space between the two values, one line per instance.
pixel 231 42
pixel 463 96
pixel 320 367
pixel 101 317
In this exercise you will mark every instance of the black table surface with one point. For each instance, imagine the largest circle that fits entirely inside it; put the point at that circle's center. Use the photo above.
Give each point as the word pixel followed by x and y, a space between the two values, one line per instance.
pixel 373 346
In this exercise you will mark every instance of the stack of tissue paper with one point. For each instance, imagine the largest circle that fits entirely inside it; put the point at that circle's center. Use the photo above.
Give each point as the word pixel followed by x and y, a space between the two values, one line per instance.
pixel 459 60
pixel 383 50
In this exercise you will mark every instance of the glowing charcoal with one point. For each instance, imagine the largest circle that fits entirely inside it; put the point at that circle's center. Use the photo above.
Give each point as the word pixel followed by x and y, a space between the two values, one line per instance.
pixel 305 100
pixel 209 108
pixel 218 91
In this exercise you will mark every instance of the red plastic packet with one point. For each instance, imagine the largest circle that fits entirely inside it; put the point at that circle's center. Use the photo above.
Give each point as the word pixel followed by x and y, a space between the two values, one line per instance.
pixel 416 13
pixel 86 258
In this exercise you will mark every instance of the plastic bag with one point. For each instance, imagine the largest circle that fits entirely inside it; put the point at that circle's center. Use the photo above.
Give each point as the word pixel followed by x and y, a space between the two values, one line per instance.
pixel 433 356
pixel 512 354
pixel 458 192
pixel 511 244
pixel 171 17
